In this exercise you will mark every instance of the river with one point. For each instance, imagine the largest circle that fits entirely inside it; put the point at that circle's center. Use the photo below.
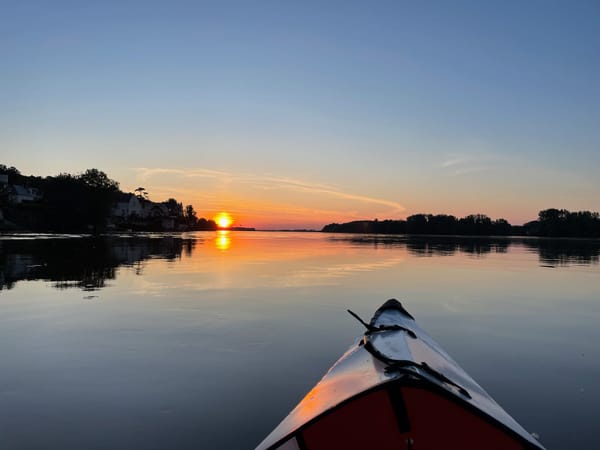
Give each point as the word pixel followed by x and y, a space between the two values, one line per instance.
pixel 206 340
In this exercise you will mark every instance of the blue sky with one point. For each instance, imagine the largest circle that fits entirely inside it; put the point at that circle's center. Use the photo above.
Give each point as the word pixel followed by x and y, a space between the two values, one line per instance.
pixel 302 113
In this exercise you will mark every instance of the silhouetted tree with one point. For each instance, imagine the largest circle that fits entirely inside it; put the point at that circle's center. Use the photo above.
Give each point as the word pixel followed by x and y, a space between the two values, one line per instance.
pixel 14 175
pixel 501 227
pixel 204 224
pixel 64 203
pixel 475 224
pixel 69 203
pixel 175 208
pixel 141 193
pixel 442 224
pixel 96 179
pixel 78 203
pixel 416 224
pixel 561 222
pixel 189 215
pixel 100 194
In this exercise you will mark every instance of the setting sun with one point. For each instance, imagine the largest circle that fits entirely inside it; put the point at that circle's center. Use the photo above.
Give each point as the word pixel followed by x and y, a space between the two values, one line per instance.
pixel 223 220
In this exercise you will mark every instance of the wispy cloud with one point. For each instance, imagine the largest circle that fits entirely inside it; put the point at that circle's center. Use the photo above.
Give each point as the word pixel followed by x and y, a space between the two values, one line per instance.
pixel 466 164
pixel 270 182
pixel 144 173
pixel 453 161
pixel 323 189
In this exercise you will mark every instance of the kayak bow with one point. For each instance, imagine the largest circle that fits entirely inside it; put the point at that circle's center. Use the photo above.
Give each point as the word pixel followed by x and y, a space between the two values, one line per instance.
pixel 397 389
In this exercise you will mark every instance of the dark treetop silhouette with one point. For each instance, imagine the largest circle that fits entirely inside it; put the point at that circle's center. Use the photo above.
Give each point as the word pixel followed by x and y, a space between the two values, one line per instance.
pixel 550 223
pixel 85 202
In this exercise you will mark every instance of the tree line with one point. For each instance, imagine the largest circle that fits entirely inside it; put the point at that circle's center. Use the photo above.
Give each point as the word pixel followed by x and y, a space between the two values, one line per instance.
pixel 80 202
pixel 551 223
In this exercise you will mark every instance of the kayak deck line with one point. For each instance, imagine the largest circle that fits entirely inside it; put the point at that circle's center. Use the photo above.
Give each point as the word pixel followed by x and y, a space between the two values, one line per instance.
pixel 373 329
pixel 417 368
pixel 398 365
pixel 396 388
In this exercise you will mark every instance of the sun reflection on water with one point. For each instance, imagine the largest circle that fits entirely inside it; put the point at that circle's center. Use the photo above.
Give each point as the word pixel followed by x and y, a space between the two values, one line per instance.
pixel 223 240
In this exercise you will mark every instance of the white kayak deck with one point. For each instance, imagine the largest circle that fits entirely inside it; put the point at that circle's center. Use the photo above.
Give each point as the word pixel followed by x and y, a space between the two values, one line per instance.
pixel 406 351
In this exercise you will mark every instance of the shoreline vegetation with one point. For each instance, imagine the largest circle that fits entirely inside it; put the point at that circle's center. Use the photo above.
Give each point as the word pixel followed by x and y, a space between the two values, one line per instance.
pixel 550 223
pixel 88 202
pixel 92 202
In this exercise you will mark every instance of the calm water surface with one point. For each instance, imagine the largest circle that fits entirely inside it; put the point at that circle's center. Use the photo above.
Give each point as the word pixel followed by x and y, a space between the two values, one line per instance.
pixel 207 340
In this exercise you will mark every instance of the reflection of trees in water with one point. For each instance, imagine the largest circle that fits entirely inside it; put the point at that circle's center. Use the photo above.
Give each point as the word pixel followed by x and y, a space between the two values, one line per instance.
pixel 565 252
pixel 447 247
pixel 423 247
pixel 562 252
pixel 85 263
pixel 433 245
pixel 188 247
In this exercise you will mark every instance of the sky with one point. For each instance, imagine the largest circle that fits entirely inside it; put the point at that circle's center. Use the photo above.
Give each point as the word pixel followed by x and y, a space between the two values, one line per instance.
pixel 295 114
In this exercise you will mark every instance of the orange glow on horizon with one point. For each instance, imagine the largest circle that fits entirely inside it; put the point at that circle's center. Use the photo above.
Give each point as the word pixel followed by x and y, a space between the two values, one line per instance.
pixel 223 220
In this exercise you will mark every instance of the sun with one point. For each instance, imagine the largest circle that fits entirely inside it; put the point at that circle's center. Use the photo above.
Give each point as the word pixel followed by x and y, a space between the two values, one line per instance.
pixel 223 220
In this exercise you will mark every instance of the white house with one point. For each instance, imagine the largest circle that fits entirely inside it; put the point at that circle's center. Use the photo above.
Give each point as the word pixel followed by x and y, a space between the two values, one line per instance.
pixel 130 206
pixel 19 194
pixel 154 210
pixel 126 206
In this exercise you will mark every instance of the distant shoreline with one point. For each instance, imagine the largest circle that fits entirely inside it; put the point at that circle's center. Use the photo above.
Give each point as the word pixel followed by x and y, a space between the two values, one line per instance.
pixel 550 223
pixel 366 236
pixel 91 202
